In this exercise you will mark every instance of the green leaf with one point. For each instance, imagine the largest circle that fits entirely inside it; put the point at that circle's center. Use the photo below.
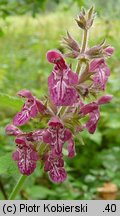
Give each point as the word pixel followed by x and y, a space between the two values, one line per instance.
pixel 7 101
pixel 7 165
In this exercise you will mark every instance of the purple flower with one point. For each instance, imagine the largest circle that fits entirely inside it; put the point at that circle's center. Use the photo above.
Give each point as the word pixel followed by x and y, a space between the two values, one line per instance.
pixel 61 81
pixel 12 130
pixel 30 109
pixel 104 99
pixel 93 110
pixel 54 165
pixel 25 155
pixel 56 135
pixel 91 125
pixel 102 72
pixel 109 50
pixel 88 108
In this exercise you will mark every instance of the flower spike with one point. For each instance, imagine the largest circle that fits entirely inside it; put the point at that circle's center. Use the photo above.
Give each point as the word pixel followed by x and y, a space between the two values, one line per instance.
pixel 72 96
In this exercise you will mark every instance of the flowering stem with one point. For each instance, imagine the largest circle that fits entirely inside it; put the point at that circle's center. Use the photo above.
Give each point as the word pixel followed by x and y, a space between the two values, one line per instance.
pixel 83 47
pixel 17 187
pixel 85 41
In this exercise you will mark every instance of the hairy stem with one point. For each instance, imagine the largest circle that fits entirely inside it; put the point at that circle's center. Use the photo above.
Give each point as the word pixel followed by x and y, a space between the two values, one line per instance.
pixel 83 48
pixel 17 187
pixel 85 41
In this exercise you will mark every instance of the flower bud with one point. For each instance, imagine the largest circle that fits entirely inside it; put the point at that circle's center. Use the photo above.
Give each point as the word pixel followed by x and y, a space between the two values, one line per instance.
pixel 96 51
pixel 109 50
pixel 12 130
pixel 71 43
pixel 105 99
pixel 85 19
pixel 81 20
